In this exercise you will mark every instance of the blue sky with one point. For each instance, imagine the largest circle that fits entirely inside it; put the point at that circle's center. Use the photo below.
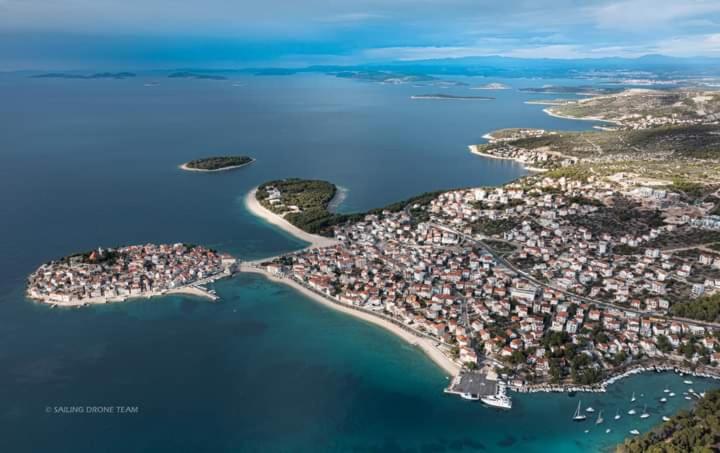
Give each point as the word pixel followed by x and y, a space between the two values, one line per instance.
pixel 234 33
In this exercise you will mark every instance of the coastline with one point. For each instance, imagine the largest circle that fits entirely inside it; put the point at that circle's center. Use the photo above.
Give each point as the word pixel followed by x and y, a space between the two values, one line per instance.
pixel 191 289
pixel 474 150
pixel 233 167
pixel 254 206
pixel 548 111
pixel 602 386
pixel 425 344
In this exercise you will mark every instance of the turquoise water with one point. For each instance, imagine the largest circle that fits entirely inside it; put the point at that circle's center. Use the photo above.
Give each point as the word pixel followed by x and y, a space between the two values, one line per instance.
pixel 265 369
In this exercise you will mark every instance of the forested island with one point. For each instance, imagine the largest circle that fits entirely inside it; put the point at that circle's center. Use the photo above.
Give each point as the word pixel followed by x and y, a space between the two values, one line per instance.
pixel 98 75
pixel 697 430
pixel 217 163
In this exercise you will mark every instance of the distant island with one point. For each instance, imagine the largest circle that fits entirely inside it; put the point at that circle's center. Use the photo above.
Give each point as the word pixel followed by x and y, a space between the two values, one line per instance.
pixel 217 163
pixel 451 97
pixel 114 275
pixel 580 90
pixel 491 86
pixel 195 75
pixel 98 75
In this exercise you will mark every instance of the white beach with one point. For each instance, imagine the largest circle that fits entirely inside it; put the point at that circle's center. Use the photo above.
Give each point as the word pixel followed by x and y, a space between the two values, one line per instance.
pixel 254 206
pixel 425 344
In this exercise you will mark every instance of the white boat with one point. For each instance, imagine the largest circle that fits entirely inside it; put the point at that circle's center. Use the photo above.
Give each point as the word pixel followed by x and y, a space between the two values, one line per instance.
pixel 666 418
pixel 590 409
pixel 645 413
pixel 600 419
pixel 634 432
pixel 499 399
pixel 469 396
pixel 671 394
pixel 617 415
pixel 587 431
pixel 688 398
pixel 631 412
pixel 687 381
pixel 691 390
pixel 607 431
pixel 579 416
pixel 632 400
pixel 666 390
pixel 663 400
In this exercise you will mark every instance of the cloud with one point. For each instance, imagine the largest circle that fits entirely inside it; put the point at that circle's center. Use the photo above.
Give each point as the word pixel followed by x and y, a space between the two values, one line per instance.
pixel 644 15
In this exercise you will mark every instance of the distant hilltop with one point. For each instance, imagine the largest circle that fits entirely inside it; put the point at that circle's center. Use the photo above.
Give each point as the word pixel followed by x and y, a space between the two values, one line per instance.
pixel 97 75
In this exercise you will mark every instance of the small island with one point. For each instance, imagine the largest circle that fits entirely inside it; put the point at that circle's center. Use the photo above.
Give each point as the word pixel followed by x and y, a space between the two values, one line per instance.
pixel 136 271
pixel 491 86
pixel 217 163
pixel 446 97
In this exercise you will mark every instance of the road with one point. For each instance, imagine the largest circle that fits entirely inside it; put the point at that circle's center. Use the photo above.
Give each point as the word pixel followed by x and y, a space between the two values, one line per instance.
pixel 518 271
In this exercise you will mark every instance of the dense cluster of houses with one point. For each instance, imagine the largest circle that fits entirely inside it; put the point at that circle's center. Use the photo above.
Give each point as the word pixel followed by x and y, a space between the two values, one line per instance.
pixel 431 277
pixel 116 274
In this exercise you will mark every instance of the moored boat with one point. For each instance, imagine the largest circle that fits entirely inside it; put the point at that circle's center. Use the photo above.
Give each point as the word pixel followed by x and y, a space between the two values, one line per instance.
pixel 578 416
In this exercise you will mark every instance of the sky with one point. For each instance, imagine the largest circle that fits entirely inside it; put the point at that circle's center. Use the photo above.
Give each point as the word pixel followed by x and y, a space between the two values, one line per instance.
pixel 45 34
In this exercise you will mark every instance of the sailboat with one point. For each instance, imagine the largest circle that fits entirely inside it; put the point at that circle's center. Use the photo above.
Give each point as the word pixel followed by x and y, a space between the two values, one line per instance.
pixel 667 390
pixel 634 432
pixel 663 400
pixel 666 418
pixel 632 400
pixel 671 394
pixel 645 413
pixel 578 416
pixel 617 415
pixel 600 419
pixel 590 409
pixel 631 412
pixel 607 431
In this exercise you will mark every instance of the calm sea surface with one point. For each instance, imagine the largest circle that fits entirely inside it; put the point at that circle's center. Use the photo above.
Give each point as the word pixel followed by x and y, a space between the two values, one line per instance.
pixel 89 163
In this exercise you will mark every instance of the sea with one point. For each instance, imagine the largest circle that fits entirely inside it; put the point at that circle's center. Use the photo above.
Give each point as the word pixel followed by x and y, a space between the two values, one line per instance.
pixel 94 163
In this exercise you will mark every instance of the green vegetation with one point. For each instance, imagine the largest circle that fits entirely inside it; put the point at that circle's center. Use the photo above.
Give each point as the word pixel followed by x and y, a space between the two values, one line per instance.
pixel 305 205
pixel 697 430
pixel 218 162
pixel 703 308
pixel 491 227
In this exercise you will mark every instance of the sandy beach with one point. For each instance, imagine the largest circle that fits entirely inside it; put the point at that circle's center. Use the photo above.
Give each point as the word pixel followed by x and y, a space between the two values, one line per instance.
pixel 257 209
pixel 425 344
pixel 186 168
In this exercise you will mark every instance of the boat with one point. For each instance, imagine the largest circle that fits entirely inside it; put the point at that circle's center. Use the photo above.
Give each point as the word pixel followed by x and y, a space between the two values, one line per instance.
pixel 470 396
pixel 688 398
pixel 666 418
pixel 587 431
pixel 671 394
pixel 691 390
pixel 663 400
pixel 590 409
pixel 600 418
pixel 579 416
pixel 499 399
pixel 632 400
pixel 607 431
pixel 617 415
pixel 687 381
pixel 634 432
pixel 667 390
pixel 645 413
pixel 631 412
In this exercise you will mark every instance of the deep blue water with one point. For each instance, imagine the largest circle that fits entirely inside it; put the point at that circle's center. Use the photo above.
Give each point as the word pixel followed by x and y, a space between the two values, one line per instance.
pixel 94 162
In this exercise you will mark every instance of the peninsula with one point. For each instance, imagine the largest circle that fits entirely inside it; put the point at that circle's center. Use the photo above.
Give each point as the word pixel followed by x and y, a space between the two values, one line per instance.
pixel 217 163
pixel 603 266
pixel 136 271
